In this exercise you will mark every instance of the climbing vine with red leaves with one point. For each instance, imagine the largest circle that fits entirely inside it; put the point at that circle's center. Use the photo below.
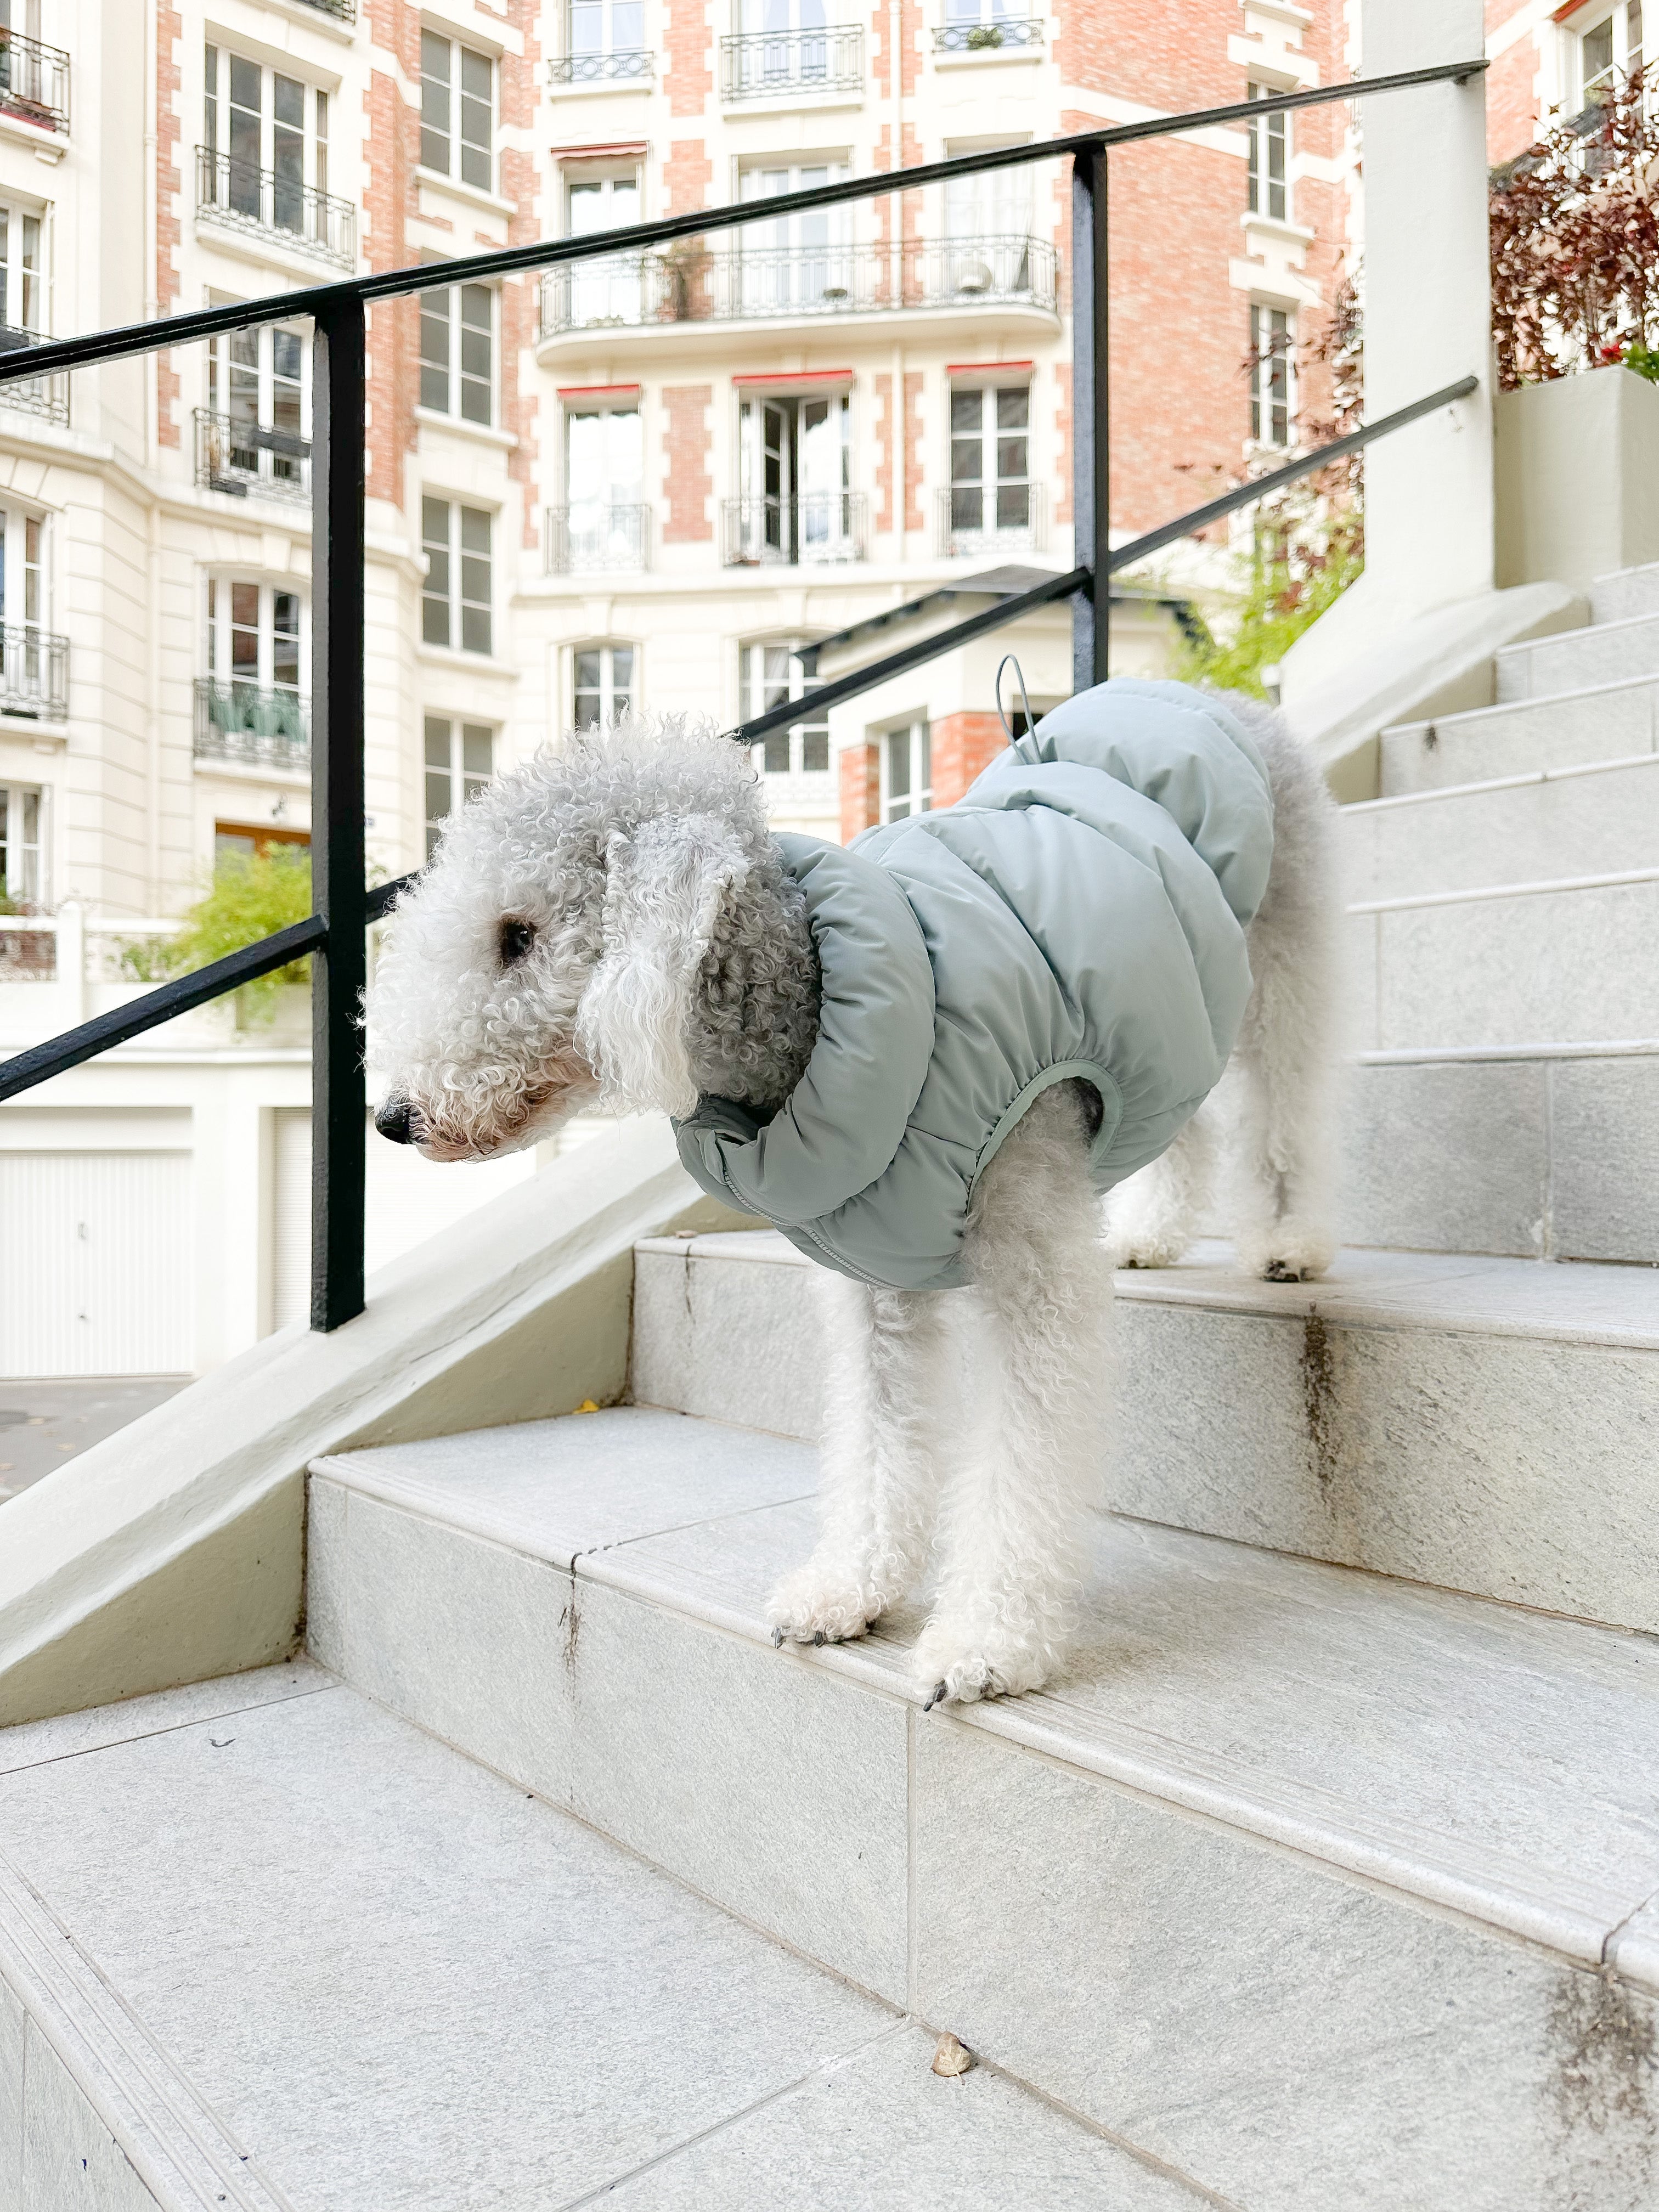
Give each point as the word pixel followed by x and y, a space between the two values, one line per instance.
pixel 1575 245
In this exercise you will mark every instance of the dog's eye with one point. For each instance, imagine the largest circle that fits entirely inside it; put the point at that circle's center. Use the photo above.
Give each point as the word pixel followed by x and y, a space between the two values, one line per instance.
pixel 517 939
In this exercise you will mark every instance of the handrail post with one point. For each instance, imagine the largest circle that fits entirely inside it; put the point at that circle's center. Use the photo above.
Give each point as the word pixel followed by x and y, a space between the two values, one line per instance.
pixel 1092 617
pixel 338 1093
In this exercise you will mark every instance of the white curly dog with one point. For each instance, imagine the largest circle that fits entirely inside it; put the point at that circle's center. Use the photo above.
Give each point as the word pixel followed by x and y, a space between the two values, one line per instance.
pixel 612 924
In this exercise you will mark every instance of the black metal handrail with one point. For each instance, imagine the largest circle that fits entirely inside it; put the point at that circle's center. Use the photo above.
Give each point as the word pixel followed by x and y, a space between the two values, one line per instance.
pixel 335 935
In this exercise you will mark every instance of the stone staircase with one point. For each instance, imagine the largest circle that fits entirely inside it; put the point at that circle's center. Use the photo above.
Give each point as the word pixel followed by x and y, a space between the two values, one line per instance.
pixel 1326 1880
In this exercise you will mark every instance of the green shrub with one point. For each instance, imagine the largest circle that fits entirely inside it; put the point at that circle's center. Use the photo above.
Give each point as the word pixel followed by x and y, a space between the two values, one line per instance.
pixel 1290 579
pixel 249 898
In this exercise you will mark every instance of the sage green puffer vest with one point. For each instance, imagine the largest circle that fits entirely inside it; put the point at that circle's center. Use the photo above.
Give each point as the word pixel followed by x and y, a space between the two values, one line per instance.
pixel 1079 912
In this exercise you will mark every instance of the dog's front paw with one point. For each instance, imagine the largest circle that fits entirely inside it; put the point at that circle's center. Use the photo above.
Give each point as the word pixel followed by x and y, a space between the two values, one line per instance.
pixel 1132 1246
pixel 1292 1252
pixel 954 1665
pixel 822 1602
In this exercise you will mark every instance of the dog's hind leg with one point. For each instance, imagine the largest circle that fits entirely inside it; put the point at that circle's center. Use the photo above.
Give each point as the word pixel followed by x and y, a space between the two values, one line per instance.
pixel 1152 1217
pixel 1018 1514
pixel 879 1485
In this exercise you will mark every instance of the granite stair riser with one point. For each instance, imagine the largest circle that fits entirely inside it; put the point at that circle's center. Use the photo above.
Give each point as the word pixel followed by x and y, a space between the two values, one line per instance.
pixel 1603 822
pixel 1625 594
pixel 1511 1466
pixel 1576 731
pixel 1552 1158
pixel 1109 1947
pixel 1525 967
pixel 1607 653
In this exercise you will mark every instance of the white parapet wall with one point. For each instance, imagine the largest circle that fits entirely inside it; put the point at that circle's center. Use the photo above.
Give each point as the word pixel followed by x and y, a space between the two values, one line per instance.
pixel 173 1550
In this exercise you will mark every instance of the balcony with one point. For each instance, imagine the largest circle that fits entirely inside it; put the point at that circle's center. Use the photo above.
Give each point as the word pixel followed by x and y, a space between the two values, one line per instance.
pixel 811 530
pixel 595 535
pixel 979 522
pixel 33 673
pixel 1007 34
pixel 242 458
pixel 691 285
pixel 34 82
pixel 783 65
pixel 46 396
pixel 625 67
pixel 265 204
pixel 343 11
pixel 253 725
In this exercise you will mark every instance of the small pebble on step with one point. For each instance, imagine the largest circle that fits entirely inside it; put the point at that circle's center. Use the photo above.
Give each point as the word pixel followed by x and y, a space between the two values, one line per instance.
pixel 952 2058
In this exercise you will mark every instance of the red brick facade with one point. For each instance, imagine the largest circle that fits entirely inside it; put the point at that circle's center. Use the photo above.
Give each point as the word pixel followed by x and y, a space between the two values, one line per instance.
pixel 962 744
pixel 689 46
pixel 884 444
pixel 860 790
pixel 689 482
pixel 686 176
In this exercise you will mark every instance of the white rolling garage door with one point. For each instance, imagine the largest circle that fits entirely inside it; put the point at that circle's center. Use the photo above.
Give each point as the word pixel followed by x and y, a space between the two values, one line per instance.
pixel 99 1274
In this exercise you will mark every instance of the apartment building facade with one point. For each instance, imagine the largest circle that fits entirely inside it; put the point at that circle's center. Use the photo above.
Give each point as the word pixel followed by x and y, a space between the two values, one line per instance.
pixel 650 479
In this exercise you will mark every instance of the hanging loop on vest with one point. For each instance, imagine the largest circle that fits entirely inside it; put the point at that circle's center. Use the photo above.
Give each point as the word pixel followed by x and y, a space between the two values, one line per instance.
pixel 1019 673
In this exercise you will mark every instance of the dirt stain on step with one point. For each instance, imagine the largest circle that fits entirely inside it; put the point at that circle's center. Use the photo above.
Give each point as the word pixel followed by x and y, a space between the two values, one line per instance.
pixel 1319 1405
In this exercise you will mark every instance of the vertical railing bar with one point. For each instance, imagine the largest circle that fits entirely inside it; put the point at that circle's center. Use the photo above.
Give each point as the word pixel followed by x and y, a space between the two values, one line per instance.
pixel 338 1095
pixel 1089 609
pixel 1101 428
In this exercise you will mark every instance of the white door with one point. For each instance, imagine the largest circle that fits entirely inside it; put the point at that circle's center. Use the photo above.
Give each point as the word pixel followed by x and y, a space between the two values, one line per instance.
pixel 101 1273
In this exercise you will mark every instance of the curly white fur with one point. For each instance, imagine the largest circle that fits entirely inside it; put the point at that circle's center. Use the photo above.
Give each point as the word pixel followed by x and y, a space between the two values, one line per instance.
pixel 613 921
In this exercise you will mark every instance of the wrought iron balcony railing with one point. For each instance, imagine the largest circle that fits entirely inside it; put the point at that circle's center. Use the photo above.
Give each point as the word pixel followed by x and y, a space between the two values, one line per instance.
pixel 238 458
pixel 47 396
pixel 595 534
pixel 344 11
pixel 760 64
pixel 34 82
pixel 627 64
pixel 33 673
pixel 1005 32
pixel 274 206
pixel 809 529
pixel 260 726
pixel 761 283
pixel 982 520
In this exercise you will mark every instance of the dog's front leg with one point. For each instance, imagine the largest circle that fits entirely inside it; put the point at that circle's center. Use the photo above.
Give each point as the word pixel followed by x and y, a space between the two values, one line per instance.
pixel 879 1483
pixel 1019 1514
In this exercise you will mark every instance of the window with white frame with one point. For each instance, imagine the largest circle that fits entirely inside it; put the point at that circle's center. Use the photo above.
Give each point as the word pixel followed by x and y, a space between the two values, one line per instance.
pixel 1608 50
pixel 906 772
pixel 22 874
pixel 795 462
pixel 255 645
pixel 602 32
pixel 607 289
pixel 987 226
pixel 457 349
pixel 1267 189
pixel 771 675
pixel 803 261
pixel 1271 335
pixel 459 759
pixel 602 686
pixel 990 463
pixel 22 277
pixel 603 525
pixel 457 111
pixel 260 120
pixel 258 383
pixel 24 595
pixel 456 599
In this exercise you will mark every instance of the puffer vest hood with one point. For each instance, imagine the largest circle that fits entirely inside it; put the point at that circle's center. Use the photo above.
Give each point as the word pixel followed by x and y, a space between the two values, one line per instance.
pixel 1080 911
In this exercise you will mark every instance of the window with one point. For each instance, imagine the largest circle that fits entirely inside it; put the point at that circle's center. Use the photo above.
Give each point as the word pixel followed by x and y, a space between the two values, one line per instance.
pixel 1266 189
pixel 460 759
pixel 260 126
pixel 455 601
pixel 605 30
pixel 259 396
pixel 457 111
pixel 32 662
pixel 255 652
pixel 795 262
pixel 23 570
pixel 22 289
pixel 1270 375
pixel 255 841
pixel 602 691
pixel 604 476
pixel 23 879
pixel 456 351
pixel 990 461
pixel 1608 52
pixel 795 461
pixel 771 674
pixel 986 253
pixel 906 772
pixel 606 290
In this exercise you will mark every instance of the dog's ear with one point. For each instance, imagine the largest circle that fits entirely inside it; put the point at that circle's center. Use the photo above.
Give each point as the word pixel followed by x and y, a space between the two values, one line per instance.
pixel 664 885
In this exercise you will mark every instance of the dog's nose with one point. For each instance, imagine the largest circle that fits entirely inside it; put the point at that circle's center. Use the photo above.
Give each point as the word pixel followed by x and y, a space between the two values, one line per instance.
pixel 398 1120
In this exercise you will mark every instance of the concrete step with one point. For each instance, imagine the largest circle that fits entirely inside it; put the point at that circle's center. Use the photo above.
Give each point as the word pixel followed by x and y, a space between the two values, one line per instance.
pixel 1568 961
pixel 264 1946
pixel 1607 652
pixel 1480 1424
pixel 1624 592
pixel 1596 819
pixel 1541 1154
pixel 1610 721
pixel 1314 1888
